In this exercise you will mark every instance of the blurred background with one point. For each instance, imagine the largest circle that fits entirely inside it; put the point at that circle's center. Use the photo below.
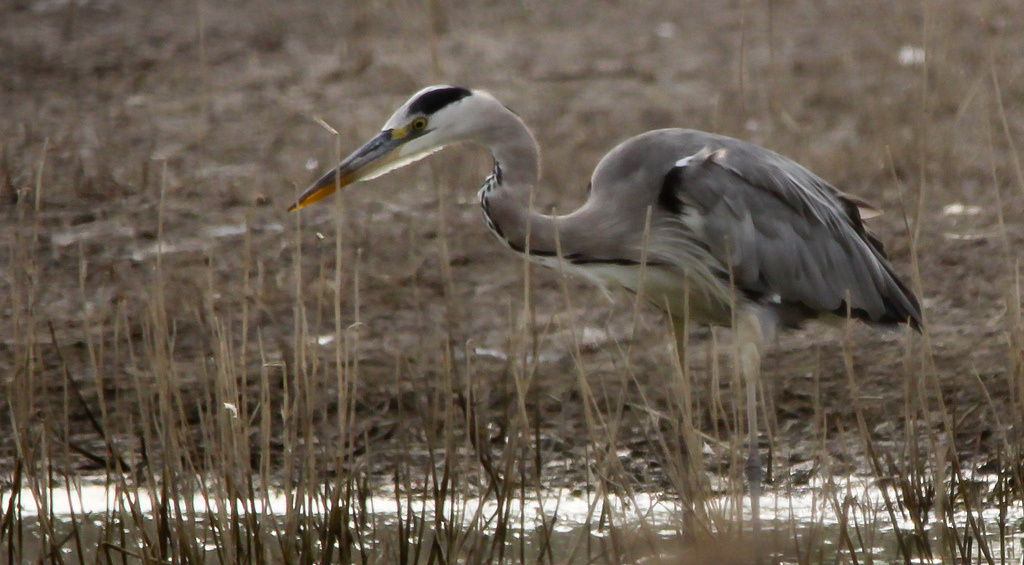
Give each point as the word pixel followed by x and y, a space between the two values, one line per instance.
pixel 149 150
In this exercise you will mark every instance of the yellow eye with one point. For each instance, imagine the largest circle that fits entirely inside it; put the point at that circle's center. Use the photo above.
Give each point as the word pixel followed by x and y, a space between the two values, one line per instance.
pixel 419 123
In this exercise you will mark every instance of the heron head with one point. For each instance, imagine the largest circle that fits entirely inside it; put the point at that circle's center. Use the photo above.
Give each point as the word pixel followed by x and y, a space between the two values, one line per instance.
pixel 432 119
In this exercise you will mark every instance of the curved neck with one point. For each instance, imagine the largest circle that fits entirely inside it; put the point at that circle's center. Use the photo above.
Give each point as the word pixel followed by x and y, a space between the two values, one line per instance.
pixel 514 149
pixel 506 196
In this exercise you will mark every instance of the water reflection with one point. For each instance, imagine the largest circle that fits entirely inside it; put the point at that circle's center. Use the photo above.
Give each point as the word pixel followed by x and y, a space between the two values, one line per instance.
pixel 825 512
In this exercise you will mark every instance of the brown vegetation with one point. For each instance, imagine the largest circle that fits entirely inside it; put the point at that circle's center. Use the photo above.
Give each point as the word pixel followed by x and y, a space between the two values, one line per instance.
pixel 160 311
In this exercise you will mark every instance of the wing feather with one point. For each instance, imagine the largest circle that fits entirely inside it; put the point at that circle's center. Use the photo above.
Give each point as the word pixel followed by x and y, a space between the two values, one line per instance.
pixel 787 235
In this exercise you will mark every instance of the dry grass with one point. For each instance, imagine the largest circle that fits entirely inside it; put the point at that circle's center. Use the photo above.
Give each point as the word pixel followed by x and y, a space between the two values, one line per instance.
pixel 169 331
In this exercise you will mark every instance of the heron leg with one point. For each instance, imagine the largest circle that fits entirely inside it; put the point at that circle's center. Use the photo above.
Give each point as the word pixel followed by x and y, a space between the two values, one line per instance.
pixel 752 469
pixel 750 334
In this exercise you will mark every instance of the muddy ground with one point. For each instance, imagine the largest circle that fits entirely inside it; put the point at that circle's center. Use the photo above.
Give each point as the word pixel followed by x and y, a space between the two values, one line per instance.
pixel 131 127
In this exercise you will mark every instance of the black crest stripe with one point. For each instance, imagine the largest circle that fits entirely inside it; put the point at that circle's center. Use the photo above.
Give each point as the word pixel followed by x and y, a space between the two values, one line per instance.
pixel 432 101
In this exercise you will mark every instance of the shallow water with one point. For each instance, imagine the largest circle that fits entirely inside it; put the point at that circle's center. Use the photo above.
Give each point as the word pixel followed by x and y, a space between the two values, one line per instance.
pixel 558 522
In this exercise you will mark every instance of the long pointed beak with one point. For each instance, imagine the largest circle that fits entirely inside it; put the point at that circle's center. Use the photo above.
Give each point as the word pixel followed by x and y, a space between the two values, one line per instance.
pixel 361 164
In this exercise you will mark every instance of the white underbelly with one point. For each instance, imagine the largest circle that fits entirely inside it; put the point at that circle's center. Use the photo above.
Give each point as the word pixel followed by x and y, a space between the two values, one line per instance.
pixel 667 289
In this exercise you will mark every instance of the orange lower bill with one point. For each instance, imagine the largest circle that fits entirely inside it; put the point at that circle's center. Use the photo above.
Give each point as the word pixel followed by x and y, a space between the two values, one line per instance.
pixel 323 188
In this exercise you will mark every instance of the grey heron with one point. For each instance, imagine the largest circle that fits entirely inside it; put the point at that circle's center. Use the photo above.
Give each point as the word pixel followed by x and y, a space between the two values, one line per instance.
pixel 711 229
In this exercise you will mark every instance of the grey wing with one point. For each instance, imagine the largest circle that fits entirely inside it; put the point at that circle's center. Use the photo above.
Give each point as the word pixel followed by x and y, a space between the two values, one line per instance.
pixel 787 237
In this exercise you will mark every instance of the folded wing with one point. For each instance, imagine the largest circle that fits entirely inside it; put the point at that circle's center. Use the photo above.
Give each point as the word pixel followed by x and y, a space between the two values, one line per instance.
pixel 787 237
